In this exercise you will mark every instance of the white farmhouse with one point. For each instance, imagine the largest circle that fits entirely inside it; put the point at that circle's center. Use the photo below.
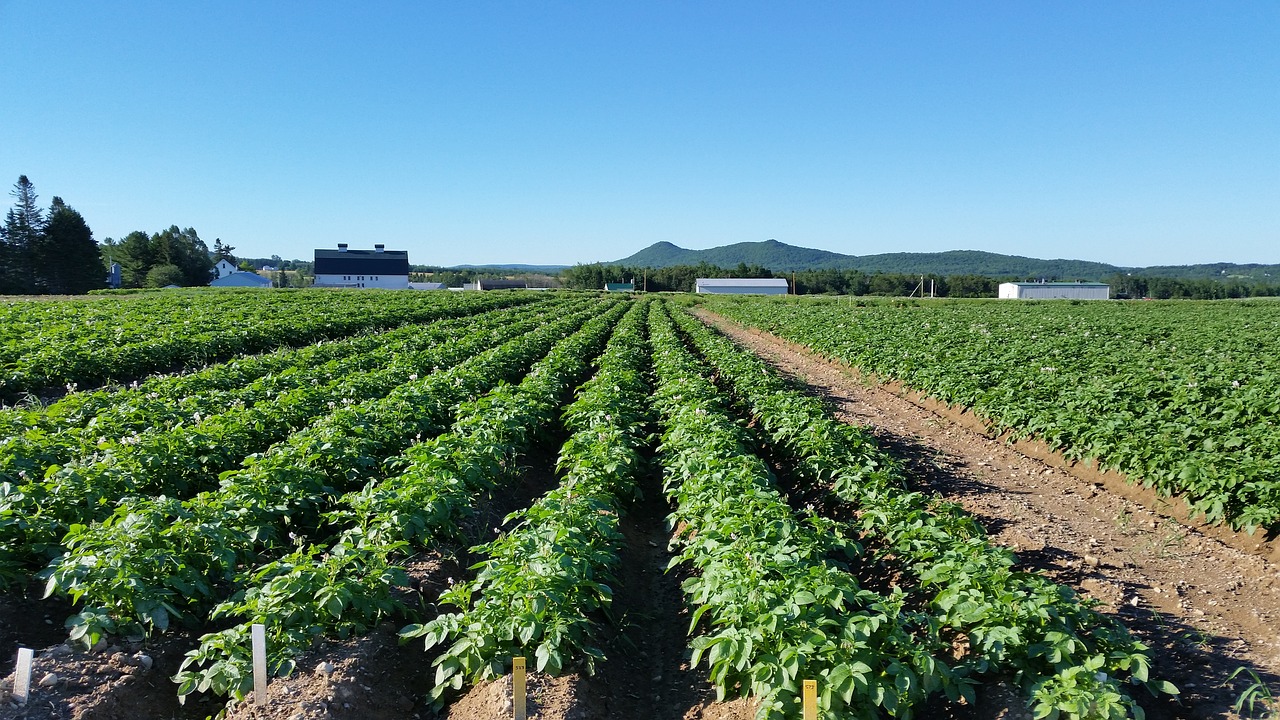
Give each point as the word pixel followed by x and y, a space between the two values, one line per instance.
pixel 1055 291
pixel 376 268
pixel 741 286
pixel 224 268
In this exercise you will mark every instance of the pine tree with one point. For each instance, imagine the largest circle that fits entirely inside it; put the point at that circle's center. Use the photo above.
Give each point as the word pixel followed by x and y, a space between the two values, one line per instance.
pixel 136 256
pixel 23 226
pixel 222 251
pixel 65 259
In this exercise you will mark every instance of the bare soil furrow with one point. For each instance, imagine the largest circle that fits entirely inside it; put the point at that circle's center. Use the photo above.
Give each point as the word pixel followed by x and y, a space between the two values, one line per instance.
pixel 1205 608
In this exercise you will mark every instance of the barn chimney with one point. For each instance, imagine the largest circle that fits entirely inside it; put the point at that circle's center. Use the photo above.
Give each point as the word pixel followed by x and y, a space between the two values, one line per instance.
pixel 379 247
pixel 342 247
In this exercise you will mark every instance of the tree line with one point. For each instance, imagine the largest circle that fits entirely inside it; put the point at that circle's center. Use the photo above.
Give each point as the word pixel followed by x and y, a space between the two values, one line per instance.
pixel 47 252
pixel 54 252
pixel 680 278
pixel 169 257
pixel 1167 288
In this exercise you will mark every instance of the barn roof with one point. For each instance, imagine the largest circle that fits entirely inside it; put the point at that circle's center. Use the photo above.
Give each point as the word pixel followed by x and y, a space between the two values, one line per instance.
pixel 362 262
pixel 241 279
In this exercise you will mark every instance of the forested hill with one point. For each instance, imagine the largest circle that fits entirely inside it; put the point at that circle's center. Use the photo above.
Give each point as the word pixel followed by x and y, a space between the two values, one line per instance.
pixel 781 257
pixel 771 254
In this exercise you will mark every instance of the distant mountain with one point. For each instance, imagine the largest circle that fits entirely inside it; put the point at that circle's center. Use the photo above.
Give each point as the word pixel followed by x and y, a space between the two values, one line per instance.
pixel 770 253
pixel 1224 271
pixel 781 257
pixel 661 254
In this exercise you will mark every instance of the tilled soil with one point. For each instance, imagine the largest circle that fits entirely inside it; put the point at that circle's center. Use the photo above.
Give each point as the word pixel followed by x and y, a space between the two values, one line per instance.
pixel 1205 608
pixel 646 674
pixel 375 677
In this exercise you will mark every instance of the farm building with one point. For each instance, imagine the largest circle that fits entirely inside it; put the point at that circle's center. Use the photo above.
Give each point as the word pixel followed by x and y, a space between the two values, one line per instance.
pixel 224 268
pixel 376 268
pixel 742 286
pixel 495 284
pixel 620 287
pixel 428 286
pixel 241 279
pixel 1055 291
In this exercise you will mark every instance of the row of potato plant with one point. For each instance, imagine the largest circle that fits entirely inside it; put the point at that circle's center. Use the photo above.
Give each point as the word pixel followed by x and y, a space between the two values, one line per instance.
pixel 63 345
pixel 349 585
pixel 153 426
pixel 159 558
pixel 154 400
pixel 541 586
pixel 773 601
pixel 1175 395
pixel 174 461
pixel 1066 657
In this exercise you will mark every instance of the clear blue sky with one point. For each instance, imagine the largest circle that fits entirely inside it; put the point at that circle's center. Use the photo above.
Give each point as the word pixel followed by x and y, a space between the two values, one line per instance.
pixel 1132 132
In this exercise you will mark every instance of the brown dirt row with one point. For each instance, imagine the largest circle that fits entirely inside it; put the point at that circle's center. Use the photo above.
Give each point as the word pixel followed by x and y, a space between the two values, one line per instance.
pixel 1204 606
pixel 374 677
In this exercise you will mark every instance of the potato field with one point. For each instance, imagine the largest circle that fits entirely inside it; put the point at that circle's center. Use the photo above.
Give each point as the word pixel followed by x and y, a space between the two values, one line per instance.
pixel 1183 397
pixel 605 485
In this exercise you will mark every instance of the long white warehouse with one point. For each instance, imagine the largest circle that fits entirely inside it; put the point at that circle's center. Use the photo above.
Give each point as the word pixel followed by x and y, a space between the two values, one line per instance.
pixel 741 286
pixel 1055 291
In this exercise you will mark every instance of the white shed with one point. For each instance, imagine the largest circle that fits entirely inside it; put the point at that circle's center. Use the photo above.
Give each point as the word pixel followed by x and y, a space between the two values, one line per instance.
pixel 741 286
pixel 1055 291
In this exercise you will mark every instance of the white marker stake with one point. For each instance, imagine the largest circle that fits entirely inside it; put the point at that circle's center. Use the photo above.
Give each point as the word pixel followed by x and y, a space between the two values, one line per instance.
pixel 22 676
pixel 517 687
pixel 259 664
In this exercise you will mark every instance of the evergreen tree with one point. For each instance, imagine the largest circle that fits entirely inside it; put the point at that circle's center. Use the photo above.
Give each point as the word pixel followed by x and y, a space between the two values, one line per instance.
pixel 222 251
pixel 23 226
pixel 64 259
pixel 136 257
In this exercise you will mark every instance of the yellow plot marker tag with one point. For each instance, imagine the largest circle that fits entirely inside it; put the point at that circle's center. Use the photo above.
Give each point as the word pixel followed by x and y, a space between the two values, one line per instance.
pixel 810 700
pixel 517 687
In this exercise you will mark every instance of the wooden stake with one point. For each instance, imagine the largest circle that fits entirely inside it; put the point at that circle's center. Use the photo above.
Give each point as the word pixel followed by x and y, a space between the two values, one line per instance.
pixel 22 676
pixel 259 663
pixel 517 687
pixel 810 700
